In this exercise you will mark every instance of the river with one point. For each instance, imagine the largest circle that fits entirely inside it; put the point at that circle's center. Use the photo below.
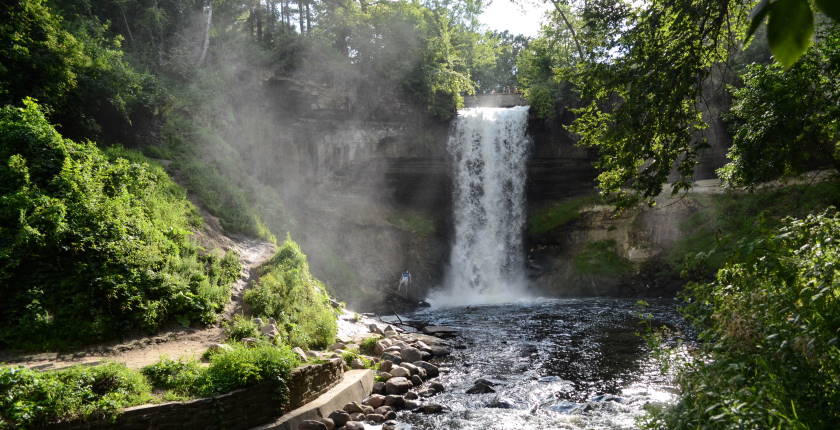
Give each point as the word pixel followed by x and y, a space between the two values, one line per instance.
pixel 558 364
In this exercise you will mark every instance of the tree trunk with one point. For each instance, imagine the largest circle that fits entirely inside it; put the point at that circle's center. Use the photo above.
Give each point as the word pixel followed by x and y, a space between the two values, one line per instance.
pixel 308 17
pixel 556 4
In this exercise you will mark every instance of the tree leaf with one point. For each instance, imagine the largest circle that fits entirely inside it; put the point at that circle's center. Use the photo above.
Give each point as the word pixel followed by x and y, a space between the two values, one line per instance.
pixel 830 8
pixel 757 17
pixel 789 30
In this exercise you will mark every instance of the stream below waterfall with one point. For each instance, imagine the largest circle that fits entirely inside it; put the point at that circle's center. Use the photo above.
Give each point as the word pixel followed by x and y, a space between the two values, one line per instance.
pixel 558 363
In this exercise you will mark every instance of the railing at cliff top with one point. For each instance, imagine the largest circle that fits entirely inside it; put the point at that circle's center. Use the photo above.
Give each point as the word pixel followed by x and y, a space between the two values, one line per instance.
pixel 494 100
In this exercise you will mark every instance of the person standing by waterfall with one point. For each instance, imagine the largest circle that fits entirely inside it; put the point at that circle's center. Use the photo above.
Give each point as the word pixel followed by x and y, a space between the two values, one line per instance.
pixel 405 281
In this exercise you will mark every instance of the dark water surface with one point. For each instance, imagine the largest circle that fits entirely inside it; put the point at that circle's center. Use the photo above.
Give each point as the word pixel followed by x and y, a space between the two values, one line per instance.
pixel 559 364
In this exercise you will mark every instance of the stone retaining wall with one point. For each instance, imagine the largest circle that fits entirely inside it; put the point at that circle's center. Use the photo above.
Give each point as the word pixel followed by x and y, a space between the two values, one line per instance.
pixel 239 409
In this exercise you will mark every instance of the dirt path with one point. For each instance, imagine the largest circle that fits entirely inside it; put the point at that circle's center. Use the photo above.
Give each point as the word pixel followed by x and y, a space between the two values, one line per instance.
pixel 173 342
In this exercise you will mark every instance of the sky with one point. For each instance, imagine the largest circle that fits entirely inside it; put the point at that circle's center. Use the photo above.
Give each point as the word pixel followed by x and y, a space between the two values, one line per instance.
pixel 524 18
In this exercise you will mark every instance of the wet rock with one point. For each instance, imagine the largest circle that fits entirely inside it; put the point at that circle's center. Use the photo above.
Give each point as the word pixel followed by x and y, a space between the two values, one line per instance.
pixel 427 393
pixel 353 407
pixel 329 423
pixel 379 388
pixel 480 388
pixel 425 355
pixel 385 376
pixel 439 351
pixel 356 416
pixel 386 365
pixel 501 403
pixel 312 425
pixel 431 408
pixel 398 386
pixel 437 387
pixel 367 409
pixel 340 418
pixel 441 331
pixel 389 425
pixel 391 415
pixel 400 372
pixel 417 380
pixel 393 349
pixel 422 346
pixel 383 410
pixel 431 370
pixel 375 418
pixel 354 425
pixel 394 401
pixel 410 354
pixel 411 405
pixel 374 401
pixel 411 395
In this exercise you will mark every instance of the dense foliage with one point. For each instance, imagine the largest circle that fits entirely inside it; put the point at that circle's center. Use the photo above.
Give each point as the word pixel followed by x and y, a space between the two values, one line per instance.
pixel 92 244
pixel 786 122
pixel 33 399
pixel 770 341
pixel 287 292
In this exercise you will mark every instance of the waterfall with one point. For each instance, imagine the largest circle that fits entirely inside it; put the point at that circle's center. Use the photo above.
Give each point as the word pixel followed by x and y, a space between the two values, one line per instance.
pixel 489 147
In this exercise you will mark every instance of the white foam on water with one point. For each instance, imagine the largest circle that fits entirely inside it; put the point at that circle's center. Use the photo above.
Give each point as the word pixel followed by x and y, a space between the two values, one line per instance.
pixel 489 147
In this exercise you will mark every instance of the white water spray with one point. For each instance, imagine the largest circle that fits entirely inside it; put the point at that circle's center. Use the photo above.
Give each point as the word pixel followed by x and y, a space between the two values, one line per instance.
pixel 489 147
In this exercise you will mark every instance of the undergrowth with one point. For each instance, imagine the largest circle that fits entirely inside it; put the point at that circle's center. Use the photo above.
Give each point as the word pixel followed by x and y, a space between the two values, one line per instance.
pixel 558 214
pixel 94 244
pixel 287 292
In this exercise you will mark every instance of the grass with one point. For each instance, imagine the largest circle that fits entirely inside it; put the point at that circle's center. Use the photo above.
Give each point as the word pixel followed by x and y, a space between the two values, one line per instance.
pixel 287 292
pixel 600 259
pixel 558 214
pixel 412 222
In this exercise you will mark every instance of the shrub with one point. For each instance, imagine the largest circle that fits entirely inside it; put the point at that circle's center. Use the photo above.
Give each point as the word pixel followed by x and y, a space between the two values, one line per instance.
pixel 241 327
pixel 94 244
pixel 180 376
pixel 600 259
pixel 243 366
pixel 558 214
pixel 769 340
pixel 288 292
pixel 367 345
pixel 32 398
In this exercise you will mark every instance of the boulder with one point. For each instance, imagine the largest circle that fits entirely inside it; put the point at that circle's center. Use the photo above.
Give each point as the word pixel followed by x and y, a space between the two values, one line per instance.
pixel 392 357
pixel 440 331
pixel 354 425
pixel 380 347
pixel 480 388
pixel 374 401
pixel 340 418
pixel 439 351
pixel 258 322
pixel 385 376
pixel 249 341
pixel 300 353
pixel 389 425
pixel 410 367
pixel 353 408
pixel 367 409
pixel 411 395
pixel 416 380
pixel 391 415
pixel 373 328
pixel 357 363
pixel 336 346
pixel 431 408
pixel 394 401
pixel 374 418
pixel 269 330
pixel 356 416
pixel 410 354
pixel 379 388
pixel 329 423
pixel 386 365
pixel 398 386
pixel 312 425
pixel 437 387
pixel 399 372
pixel 219 347
pixel 431 370
pixel 383 410
pixel 411 405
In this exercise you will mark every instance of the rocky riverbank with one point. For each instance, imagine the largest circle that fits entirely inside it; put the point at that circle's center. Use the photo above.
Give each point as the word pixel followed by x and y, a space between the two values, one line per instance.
pixel 404 361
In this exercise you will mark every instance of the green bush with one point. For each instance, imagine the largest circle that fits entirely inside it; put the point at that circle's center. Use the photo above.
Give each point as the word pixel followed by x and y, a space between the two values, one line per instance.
pixel 92 244
pixel 769 337
pixel 241 327
pixel 243 366
pixel 288 292
pixel 367 345
pixel 180 376
pixel 32 398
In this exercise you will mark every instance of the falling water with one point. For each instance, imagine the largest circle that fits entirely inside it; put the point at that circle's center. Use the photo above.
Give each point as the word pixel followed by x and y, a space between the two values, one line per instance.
pixel 489 147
